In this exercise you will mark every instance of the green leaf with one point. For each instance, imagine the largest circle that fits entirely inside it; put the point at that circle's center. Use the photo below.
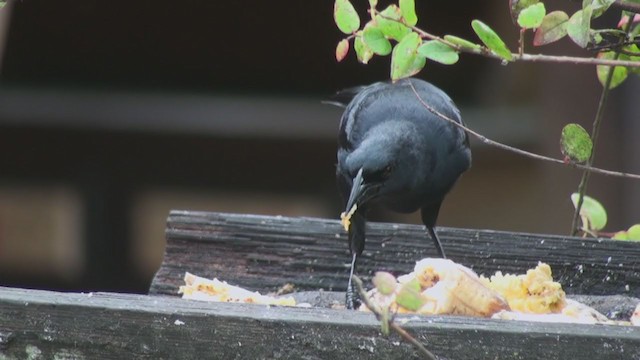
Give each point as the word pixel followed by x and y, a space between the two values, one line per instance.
pixel 384 282
pixel 465 44
pixel 516 6
pixel 579 26
pixel 363 52
pixel 599 6
pixel 553 28
pixel 593 214
pixel 409 296
pixel 531 17
pixel 634 233
pixel 620 235
pixel 491 39
pixel 437 51
pixel 408 9
pixel 404 59
pixel 620 73
pixel 576 143
pixel 375 40
pixel 634 49
pixel 392 29
pixel 346 16
pixel 342 49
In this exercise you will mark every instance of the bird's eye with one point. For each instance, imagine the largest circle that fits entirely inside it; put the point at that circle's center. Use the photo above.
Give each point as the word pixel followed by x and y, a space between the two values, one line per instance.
pixel 378 175
pixel 386 172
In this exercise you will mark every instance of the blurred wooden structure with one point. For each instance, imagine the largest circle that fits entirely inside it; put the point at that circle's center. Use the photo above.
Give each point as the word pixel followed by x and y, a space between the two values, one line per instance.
pixel 262 253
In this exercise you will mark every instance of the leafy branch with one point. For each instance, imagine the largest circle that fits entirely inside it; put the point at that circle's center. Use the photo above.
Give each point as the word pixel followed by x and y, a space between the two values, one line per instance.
pixel 618 57
pixel 387 322
pixel 398 23
pixel 456 44
pixel 582 187
pixel 516 150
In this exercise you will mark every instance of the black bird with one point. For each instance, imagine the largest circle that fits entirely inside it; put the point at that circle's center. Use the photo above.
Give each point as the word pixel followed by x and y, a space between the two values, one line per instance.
pixel 394 152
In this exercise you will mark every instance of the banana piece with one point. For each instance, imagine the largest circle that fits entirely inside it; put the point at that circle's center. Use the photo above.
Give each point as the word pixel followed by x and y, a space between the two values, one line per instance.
pixel 454 289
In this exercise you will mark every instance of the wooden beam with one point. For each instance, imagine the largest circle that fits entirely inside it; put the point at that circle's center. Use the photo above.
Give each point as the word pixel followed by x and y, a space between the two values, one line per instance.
pixel 265 252
pixel 44 324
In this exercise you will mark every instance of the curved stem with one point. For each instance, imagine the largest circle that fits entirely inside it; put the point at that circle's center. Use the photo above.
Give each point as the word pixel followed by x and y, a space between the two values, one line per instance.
pixel 522 57
pixel 392 325
pixel 628 6
pixel 516 150
pixel 595 131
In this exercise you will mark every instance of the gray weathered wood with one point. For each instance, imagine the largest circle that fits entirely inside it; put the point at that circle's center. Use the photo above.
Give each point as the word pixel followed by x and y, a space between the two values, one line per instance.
pixel 265 252
pixel 40 324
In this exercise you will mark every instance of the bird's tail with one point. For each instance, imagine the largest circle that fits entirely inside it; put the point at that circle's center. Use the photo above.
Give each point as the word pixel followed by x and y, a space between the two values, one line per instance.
pixel 343 97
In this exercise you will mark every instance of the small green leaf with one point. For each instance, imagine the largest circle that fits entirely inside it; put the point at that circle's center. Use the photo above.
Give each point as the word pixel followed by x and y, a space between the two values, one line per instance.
pixel 363 52
pixel 576 143
pixel 553 28
pixel 632 49
pixel 593 214
pixel 491 39
pixel 384 282
pixel 437 51
pixel 620 235
pixel 516 6
pixel 620 73
pixel 599 6
pixel 634 233
pixel 342 49
pixel 579 26
pixel 404 59
pixel 531 17
pixel 408 9
pixel 375 40
pixel 393 29
pixel 465 44
pixel 346 16
pixel 409 296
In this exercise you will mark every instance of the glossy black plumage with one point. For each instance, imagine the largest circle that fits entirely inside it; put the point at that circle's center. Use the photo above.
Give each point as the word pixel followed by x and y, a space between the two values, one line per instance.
pixel 401 155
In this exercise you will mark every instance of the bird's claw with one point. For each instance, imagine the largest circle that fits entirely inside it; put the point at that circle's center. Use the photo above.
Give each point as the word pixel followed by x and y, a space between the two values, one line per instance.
pixel 352 299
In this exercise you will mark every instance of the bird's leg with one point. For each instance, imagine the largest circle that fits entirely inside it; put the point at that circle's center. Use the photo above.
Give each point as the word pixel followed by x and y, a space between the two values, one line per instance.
pixel 436 240
pixel 352 298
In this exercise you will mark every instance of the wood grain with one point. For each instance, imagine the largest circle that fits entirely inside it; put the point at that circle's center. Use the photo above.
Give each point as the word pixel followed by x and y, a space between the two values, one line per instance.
pixel 265 252
pixel 124 326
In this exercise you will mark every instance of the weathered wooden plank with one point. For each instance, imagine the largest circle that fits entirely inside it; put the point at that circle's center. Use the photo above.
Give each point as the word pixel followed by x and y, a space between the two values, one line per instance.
pixel 46 325
pixel 265 252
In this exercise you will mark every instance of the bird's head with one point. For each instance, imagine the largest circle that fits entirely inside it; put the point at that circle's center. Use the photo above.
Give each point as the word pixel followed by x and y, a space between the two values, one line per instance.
pixel 382 167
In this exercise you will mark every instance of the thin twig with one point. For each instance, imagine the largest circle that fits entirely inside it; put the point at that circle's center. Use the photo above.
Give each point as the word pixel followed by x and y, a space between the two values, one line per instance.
pixel 628 6
pixel 392 325
pixel 522 57
pixel 518 151
pixel 595 131
pixel 576 60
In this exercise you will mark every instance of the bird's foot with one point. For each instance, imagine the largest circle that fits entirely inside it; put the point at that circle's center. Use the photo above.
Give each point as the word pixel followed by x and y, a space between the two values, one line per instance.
pixel 352 299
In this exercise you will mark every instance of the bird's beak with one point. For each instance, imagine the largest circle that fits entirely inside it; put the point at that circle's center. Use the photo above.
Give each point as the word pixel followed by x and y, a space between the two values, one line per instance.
pixel 361 193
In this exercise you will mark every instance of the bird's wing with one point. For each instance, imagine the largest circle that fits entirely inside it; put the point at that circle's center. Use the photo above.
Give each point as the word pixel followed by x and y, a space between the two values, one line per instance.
pixel 362 112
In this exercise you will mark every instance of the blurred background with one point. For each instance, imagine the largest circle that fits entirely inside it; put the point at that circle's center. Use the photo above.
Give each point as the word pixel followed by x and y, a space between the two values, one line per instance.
pixel 111 114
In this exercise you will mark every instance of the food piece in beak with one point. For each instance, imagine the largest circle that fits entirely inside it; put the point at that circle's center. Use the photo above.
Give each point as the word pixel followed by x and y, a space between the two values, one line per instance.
pixel 345 217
